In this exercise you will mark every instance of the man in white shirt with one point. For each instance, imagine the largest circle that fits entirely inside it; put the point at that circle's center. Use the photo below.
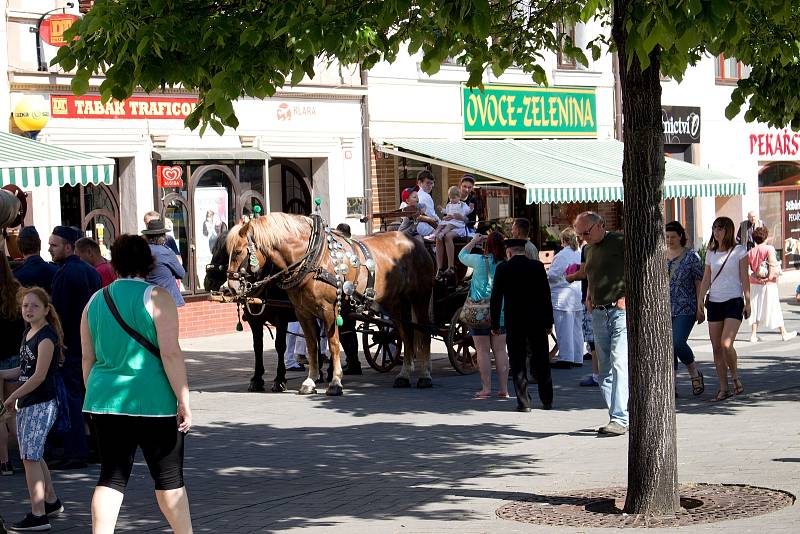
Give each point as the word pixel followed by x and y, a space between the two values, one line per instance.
pixel 425 182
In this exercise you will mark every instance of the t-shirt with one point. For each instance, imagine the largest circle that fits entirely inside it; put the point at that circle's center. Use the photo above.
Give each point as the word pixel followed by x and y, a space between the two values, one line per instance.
pixel 727 285
pixel 605 269
pixel 107 274
pixel 460 208
pixel 426 203
pixel 28 356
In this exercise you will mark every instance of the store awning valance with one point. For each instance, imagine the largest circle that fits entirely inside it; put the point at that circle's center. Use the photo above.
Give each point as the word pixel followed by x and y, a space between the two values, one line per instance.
pixel 560 170
pixel 188 154
pixel 27 163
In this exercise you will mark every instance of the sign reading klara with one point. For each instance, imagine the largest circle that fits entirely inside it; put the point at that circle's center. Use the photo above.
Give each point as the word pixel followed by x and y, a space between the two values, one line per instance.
pixel 136 107
pixel 511 111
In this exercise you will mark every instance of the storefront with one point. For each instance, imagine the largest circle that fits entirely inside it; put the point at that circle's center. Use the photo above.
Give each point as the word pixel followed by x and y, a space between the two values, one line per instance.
pixel 286 152
pixel 778 154
pixel 682 127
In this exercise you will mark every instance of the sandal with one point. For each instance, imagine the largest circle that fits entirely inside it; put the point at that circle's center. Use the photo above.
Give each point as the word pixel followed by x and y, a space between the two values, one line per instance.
pixel 502 395
pixel 482 395
pixel 738 388
pixel 698 384
pixel 722 395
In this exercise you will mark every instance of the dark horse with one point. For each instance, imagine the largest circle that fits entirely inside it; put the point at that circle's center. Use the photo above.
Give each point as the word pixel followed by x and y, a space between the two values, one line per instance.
pixel 278 313
pixel 397 267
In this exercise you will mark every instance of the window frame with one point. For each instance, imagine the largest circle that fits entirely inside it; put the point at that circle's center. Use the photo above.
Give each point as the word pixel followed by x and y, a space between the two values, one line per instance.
pixel 563 63
pixel 720 78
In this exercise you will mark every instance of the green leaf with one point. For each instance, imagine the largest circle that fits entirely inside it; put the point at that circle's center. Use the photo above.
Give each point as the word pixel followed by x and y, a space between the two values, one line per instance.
pixel 223 107
pixel 80 84
pixel 217 126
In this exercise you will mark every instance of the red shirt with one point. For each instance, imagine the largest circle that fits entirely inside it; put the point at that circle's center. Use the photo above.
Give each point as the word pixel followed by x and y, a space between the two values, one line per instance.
pixel 107 274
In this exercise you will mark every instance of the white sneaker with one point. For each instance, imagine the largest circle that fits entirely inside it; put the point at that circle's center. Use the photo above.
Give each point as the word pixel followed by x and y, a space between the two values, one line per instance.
pixel 755 339
pixel 789 335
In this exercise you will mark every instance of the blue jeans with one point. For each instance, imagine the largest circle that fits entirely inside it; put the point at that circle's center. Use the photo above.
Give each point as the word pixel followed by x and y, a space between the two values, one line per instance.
pixel 681 328
pixel 611 343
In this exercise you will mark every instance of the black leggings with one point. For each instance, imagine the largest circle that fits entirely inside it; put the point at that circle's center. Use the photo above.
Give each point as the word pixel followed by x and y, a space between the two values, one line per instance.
pixel 118 437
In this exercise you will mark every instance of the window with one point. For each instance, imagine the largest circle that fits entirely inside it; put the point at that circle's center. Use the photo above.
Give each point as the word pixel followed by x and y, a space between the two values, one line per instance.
pixel 730 70
pixel 569 38
pixel 211 199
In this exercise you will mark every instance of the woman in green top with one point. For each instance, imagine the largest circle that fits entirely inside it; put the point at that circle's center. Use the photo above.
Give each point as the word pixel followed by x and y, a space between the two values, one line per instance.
pixel 136 399
pixel 483 267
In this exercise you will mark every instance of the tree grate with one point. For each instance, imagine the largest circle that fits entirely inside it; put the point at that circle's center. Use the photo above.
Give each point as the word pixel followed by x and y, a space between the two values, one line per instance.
pixel 602 507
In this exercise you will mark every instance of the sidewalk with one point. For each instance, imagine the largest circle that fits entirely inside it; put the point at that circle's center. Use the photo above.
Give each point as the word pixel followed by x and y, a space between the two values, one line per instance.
pixel 416 461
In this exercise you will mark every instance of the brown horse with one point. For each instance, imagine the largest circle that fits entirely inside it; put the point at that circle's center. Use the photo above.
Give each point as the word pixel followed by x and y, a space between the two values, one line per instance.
pixel 310 260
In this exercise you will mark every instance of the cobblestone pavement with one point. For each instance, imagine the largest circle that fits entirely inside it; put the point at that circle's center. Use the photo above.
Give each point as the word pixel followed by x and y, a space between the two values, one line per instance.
pixel 385 460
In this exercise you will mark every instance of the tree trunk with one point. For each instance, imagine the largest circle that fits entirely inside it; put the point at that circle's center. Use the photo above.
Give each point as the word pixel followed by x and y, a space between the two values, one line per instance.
pixel 652 453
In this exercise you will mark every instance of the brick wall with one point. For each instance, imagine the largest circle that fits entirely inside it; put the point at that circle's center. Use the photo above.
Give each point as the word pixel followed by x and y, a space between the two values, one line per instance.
pixel 612 213
pixel 204 318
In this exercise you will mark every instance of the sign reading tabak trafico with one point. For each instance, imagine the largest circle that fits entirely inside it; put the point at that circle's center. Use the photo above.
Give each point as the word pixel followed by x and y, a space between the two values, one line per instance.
pixel 511 111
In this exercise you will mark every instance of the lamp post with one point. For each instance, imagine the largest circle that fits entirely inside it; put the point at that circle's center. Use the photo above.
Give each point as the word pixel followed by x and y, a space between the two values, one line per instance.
pixel 42 66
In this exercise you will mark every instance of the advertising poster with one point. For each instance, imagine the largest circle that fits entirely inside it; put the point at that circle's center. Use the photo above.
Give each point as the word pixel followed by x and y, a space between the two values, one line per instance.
pixel 211 216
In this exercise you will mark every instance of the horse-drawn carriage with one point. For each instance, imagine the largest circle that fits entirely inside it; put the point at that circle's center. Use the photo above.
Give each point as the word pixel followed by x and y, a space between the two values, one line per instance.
pixel 385 282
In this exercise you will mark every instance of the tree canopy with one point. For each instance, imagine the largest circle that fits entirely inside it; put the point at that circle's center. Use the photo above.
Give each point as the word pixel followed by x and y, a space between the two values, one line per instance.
pixel 228 49
pixel 225 49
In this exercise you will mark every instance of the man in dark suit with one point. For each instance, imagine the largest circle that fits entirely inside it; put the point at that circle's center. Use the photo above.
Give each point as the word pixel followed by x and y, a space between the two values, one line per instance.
pixel 34 271
pixel 521 289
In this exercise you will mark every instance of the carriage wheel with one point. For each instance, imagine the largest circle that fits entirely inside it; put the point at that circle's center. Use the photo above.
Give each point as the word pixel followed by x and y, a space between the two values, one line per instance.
pixel 460 347
pixel 382 346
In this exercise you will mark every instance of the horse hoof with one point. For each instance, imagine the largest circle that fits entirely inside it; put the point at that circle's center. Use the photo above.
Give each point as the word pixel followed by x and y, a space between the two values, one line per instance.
pixel 334 391
pixel 307 390
pixel 402 382
pixel 424 383
pixel 256 386
pixel 279 387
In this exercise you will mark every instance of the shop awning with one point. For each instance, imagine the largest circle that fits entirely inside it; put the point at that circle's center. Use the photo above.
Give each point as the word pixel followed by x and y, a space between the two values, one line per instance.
pixel 560 170
pixel 188 154
pixel 27 163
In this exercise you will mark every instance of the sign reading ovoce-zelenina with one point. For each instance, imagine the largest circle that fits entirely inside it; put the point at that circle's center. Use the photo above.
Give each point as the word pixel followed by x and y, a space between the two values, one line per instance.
pixel 136 107
pixel 515 111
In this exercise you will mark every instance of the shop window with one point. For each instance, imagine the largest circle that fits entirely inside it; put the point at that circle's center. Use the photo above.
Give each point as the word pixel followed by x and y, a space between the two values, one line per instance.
pixel 568 32
pixel 289 187
pixel 780 174
pixel 210 199
pixel 729 70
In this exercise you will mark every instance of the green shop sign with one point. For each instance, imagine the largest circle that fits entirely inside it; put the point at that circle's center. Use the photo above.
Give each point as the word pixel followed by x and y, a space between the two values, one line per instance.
pixel 512 111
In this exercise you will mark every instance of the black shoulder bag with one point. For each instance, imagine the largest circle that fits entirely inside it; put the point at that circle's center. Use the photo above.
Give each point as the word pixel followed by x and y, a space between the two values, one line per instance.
pixel 131 332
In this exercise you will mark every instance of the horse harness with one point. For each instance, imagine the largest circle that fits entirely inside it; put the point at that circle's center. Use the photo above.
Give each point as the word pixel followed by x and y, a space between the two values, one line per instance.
pixel 311 264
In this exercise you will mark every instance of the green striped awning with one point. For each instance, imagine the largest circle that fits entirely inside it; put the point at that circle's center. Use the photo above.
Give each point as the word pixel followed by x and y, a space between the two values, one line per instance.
pixel 574 170
pixel 27 163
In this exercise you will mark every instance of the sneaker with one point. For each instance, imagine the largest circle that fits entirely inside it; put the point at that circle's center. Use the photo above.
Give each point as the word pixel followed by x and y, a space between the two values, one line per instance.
pixel 6 469
pixel 52 509
pixel 589 382
pixel 31 523
pixel 789 335
pixel 298 367
pixel 613 428
pixel 754 339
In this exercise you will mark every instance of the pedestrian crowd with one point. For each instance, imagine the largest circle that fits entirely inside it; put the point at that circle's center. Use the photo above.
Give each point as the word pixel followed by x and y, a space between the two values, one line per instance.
pixel 91 367
pixel 91 370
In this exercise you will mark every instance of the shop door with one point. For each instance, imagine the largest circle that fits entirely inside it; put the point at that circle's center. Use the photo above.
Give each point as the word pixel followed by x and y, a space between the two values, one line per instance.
pixel 94 209
pixel 791 228
pixel 295 195
pixel 175 213
pixel 213 194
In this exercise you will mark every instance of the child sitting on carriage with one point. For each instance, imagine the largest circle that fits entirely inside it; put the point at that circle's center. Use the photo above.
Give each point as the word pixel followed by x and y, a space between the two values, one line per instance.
pixel 453 225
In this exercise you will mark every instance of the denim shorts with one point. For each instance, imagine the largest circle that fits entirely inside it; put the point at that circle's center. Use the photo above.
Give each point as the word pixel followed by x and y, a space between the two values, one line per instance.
pixel 9 363
pixel 33 424
pixel 485 331
pixel 729 309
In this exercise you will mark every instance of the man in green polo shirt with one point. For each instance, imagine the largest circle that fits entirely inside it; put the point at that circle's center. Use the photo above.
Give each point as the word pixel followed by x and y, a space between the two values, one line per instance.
pixel 605 299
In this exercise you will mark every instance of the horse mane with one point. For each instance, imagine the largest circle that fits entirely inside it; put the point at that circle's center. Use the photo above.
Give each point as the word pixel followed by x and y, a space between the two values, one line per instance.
pixel 273 229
